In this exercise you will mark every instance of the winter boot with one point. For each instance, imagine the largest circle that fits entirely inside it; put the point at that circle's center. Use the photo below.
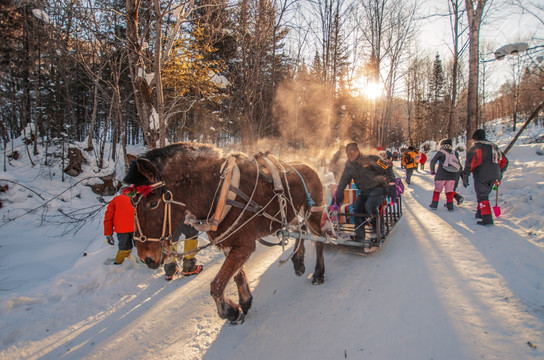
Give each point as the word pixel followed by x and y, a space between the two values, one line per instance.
pixel 485 210
pixel 121 256
pixel 458 198
pixel 359 235
pixel 449 200
pixel 190 267
pixel 374 230
pixel 487 220
pixel 434 203
pixel 170 270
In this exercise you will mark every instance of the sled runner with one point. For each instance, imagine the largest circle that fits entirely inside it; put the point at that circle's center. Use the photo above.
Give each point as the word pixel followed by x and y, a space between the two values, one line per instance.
pixel 339 228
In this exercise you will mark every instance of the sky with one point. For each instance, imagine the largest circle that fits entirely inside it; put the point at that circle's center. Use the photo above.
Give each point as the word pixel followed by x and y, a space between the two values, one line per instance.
pixel 502 25
pixel 441 287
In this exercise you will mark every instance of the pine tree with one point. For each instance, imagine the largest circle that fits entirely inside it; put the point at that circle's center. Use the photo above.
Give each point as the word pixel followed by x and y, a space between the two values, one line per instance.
pixel 436 83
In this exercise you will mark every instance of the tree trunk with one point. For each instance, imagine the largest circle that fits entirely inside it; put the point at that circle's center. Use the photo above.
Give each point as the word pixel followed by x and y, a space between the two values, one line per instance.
pixel 474 21
pixel 90 146
pixel 157 69
pixel 142 92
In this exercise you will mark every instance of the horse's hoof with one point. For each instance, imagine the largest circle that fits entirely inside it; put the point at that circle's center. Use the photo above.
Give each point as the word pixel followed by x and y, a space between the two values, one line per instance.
pixel 235 316
pixel 247 305
pixel 320 280
pixel 239 319
pixel 300 269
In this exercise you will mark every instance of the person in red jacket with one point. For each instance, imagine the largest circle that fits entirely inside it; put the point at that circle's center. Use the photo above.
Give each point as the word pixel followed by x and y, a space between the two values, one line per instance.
pixel 119 217
pixel 487 163
pixel 422 160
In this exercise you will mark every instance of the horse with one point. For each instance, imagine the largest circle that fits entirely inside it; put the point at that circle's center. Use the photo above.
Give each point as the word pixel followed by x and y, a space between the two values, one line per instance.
pixel 250 197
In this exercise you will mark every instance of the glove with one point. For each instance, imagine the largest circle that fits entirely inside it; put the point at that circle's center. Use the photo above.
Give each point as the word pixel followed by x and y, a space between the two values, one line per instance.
pixel 432 172
pixel 110 240
pixel 464 178
pixel 392 190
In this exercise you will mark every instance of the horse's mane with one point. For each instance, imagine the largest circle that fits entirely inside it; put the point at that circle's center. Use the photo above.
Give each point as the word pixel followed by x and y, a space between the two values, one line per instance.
pixel 160 157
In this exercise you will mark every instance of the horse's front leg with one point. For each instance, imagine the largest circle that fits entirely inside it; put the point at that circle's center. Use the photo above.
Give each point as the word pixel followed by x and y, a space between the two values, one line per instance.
pixel 319 273
pixel 244 293
pixel 226 308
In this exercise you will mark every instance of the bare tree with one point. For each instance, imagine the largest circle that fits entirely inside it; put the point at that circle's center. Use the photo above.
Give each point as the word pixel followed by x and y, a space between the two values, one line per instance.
pixel 146 60
pixel 475 12
pixel 388 28
pixel 455 23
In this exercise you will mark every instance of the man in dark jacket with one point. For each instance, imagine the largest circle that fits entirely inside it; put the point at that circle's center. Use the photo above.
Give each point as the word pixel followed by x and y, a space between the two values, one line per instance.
pixel 373 177
pixel 487 164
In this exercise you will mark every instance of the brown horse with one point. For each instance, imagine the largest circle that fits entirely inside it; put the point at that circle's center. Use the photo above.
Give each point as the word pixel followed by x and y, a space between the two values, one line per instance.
pixel 184 183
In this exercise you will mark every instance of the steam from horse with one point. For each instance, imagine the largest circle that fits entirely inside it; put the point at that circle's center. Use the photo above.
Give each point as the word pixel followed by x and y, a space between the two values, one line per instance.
pixel 235 199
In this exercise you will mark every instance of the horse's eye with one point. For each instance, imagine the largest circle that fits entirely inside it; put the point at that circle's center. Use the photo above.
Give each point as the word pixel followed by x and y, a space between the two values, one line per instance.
pixel 153 204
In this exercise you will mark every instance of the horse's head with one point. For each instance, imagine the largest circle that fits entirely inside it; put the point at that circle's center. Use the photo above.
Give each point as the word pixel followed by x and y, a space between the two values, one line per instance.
pixel 156 217
pixel 166 179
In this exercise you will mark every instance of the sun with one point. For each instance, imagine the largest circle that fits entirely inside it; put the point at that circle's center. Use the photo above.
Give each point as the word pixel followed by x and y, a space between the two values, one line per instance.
pixel 369 89
pixel 372 90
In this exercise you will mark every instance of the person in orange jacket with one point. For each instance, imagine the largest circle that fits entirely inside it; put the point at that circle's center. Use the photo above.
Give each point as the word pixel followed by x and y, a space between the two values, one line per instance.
pixel 409 162
pixel 119 217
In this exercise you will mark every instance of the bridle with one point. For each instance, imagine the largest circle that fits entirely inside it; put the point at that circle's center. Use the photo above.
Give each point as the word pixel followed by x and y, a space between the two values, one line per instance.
pixel 167 198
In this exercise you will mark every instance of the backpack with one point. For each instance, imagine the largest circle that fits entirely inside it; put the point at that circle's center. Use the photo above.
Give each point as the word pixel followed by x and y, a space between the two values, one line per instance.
pixel 408 159
pixel 451 164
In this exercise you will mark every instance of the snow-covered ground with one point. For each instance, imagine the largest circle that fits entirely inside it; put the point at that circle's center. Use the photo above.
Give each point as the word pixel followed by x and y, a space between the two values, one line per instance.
pixel 441 287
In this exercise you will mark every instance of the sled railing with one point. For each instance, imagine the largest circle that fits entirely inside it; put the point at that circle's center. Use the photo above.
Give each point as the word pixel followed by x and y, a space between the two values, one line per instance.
pixel 387 218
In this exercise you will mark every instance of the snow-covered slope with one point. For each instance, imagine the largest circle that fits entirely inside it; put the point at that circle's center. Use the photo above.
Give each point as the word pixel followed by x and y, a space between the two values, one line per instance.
pixel 441 287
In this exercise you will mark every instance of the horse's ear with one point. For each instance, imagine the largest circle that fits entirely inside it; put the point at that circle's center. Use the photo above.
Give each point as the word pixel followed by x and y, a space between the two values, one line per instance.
pixel 148 170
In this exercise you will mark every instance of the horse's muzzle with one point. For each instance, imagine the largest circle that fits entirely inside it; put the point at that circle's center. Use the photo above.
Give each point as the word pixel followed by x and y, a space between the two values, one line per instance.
pixel 151 263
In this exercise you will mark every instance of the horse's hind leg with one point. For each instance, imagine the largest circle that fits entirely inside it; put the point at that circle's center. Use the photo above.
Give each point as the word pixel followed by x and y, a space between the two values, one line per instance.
pixel 319 273
pixel 298 258
pixel 314 223
pixel 244 293
pixel 226 308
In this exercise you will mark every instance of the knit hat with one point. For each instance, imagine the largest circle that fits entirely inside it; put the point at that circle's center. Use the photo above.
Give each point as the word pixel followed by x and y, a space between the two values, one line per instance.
pixel 352 147
pixel 479 134
pixel 445 143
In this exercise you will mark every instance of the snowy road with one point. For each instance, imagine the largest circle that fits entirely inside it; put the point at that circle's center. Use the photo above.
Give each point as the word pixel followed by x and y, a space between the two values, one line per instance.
pixel 442 287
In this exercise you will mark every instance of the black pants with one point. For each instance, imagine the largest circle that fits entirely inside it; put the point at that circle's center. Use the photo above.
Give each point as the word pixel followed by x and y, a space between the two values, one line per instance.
pixel 125 241
pixel 483 188
pixel 367 203
pixel 409 173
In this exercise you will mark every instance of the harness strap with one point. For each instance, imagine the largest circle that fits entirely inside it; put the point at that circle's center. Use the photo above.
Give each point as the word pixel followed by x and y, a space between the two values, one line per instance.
pixel 278 186
pixel 309 199
pixel 253 206
pixel 230 179
pixel 219 214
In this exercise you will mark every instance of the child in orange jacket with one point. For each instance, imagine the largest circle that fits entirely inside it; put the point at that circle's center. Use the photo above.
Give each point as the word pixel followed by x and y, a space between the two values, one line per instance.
pixel 119 217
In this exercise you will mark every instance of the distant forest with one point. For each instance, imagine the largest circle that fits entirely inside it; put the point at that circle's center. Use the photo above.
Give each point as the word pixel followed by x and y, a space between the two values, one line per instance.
pixel 302 73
